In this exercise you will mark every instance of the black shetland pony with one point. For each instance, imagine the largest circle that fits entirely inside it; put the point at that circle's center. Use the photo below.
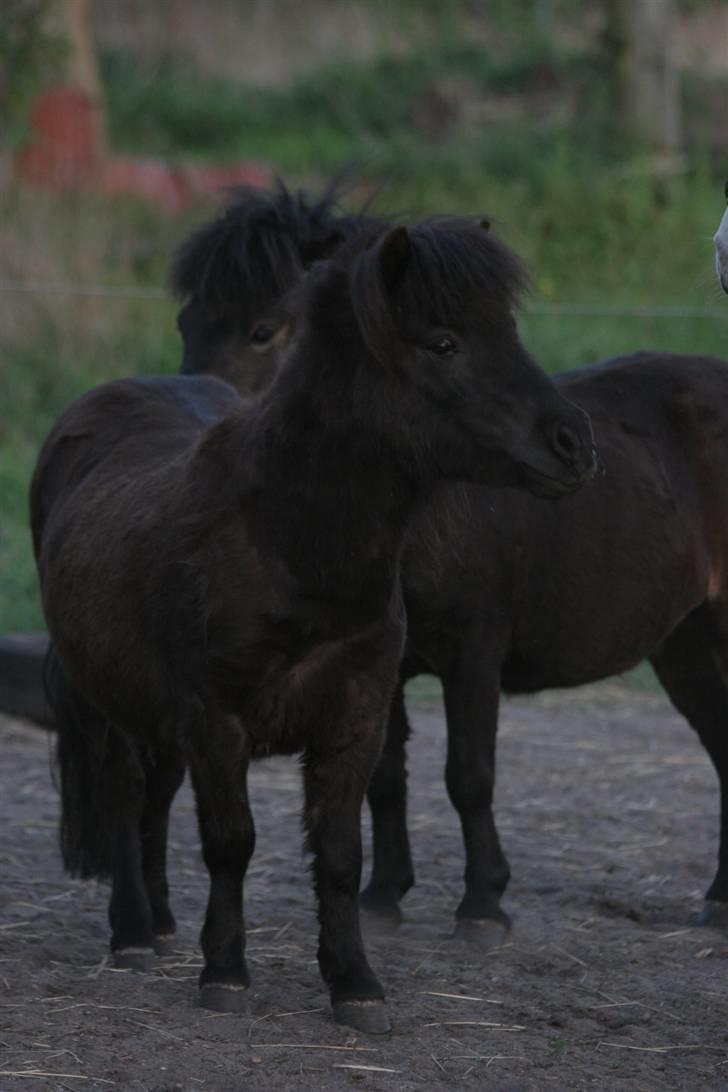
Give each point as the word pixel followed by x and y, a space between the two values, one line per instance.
pixel 506 592
pixel 221 579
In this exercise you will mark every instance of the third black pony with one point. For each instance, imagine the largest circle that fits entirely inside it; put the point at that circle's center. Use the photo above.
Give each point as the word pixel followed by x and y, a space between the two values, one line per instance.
pixel 221 579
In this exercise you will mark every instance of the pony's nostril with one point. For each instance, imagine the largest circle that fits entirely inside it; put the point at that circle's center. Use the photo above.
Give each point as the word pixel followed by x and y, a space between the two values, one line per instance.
pixel 566 442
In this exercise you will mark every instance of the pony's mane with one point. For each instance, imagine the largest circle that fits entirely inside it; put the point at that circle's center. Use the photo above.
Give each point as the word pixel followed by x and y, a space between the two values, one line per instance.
pixel 250 255
pixel 455 270
pixel 458 265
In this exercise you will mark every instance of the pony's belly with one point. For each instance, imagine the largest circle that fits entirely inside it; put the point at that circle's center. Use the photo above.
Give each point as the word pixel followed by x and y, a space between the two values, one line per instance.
pixel 571 648
pixel 526 675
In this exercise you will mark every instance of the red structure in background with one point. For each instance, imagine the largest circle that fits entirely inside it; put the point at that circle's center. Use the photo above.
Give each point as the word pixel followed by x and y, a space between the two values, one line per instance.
pixel 64 154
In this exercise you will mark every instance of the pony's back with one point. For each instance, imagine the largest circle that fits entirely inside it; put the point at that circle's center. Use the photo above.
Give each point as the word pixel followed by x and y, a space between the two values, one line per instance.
pixel 148 417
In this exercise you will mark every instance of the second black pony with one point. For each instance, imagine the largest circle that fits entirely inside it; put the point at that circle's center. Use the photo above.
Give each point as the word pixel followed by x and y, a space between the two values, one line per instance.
pixel 221 579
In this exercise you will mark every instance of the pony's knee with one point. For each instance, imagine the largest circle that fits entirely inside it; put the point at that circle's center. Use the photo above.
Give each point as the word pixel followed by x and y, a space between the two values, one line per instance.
pixel 470 785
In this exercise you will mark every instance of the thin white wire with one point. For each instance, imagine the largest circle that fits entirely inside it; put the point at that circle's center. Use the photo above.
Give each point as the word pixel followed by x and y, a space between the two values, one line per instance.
pixel 596 310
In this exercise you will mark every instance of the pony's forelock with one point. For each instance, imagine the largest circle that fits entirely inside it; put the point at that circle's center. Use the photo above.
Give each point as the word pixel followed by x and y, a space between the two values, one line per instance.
pixel 456 270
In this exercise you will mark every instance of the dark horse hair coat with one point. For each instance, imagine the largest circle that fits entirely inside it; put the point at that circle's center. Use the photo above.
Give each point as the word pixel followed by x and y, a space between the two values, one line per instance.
pixel 221 579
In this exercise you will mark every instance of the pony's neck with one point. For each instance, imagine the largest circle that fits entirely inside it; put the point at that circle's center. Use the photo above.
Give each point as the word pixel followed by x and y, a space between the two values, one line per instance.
pixel 337 494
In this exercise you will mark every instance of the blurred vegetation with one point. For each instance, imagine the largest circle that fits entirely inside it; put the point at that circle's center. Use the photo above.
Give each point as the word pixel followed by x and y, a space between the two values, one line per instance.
pixel 520 133
pixel 344 111
pixel 31 53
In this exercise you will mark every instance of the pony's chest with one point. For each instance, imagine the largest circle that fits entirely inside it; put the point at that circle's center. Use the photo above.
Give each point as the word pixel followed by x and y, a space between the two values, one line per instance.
pixel 290 689
pixel 292 663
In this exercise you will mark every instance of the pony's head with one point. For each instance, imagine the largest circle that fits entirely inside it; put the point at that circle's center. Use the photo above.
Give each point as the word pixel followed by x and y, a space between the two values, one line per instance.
pixel 421 321
pixel 232 272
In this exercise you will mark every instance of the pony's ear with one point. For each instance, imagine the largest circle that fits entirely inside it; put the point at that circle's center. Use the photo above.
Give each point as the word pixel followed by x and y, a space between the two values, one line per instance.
pixel 395 251
pixel 374 277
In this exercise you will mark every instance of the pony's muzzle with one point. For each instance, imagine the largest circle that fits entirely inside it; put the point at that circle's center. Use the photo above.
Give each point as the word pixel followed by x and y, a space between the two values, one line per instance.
pixel 566 443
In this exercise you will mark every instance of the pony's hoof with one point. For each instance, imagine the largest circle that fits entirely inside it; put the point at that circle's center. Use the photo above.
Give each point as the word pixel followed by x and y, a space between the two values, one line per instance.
pixel 164 944
pixel 134 959
pixel 224 997
pixel 371 1017
pixel 483 933
pixel 714 915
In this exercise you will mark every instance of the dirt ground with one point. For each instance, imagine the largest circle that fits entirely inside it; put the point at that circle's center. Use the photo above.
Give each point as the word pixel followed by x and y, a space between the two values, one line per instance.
pixel 608 811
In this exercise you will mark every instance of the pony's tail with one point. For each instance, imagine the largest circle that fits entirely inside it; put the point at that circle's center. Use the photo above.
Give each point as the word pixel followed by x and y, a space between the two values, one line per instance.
pixel 90 759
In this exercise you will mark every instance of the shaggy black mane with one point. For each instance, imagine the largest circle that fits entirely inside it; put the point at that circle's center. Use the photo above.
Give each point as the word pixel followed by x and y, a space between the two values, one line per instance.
pixel 253 252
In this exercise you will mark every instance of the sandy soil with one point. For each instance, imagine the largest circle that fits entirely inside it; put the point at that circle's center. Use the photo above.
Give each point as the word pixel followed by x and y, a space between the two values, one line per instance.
pixel 608 811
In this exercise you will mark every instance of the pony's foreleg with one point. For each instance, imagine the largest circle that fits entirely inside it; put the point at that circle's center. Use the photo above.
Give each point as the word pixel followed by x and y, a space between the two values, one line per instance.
pixel 472 691
pixel 164 775
pixel 218 766
pixel 335 780
pixel 693 668
pixel 392 871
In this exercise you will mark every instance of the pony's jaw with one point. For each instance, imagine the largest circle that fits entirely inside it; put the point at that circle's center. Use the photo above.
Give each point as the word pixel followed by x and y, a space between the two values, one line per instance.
pixel 544 485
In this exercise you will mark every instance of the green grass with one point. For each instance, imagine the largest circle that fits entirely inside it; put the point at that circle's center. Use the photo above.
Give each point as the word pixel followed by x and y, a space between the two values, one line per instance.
pixel 593 224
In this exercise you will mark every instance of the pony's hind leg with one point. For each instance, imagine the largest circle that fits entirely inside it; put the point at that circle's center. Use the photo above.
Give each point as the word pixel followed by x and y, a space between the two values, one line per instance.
pixel 102 800
pixel 218 767
pixel 693 668
pixel 130 912
pixel 164 775
pixel 392 871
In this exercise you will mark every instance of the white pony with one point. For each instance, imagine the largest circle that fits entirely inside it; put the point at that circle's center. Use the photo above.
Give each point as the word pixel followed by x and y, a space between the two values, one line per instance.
pixel 721 247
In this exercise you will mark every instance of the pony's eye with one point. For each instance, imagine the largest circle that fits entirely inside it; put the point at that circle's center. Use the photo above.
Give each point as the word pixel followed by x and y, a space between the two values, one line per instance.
pixel 442 346
pixel 261 335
